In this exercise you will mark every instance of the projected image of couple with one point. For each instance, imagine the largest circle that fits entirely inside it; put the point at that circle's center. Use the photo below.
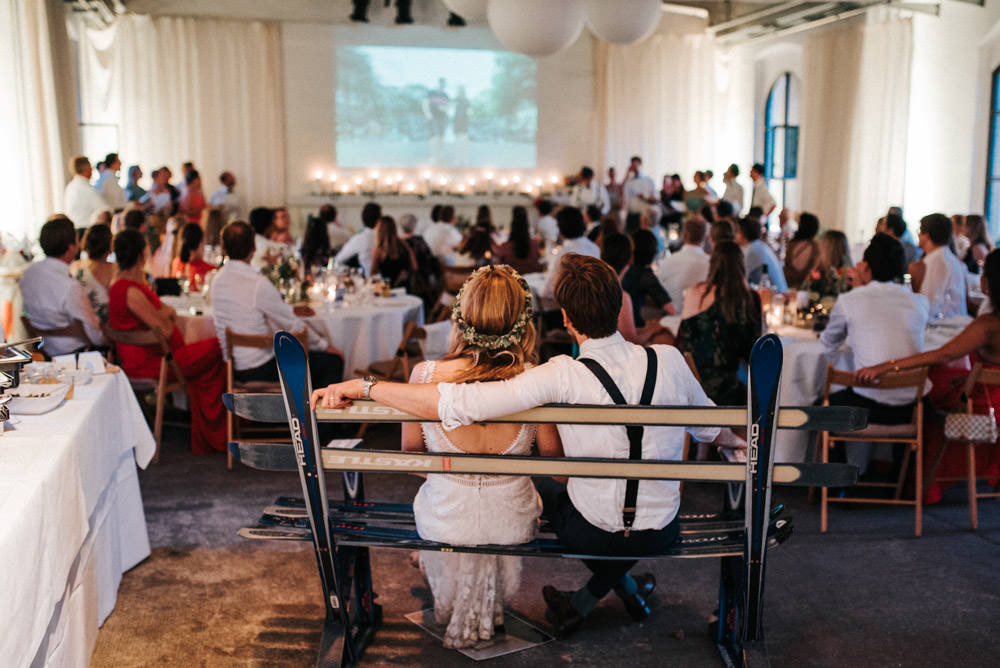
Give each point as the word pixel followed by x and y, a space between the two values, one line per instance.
pixel 436 108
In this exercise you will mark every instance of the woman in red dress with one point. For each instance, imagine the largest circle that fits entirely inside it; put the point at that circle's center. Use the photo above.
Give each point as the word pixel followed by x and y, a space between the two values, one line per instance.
pixel 193 202
pixel 190 263
pixel 981 342
pixel 132 305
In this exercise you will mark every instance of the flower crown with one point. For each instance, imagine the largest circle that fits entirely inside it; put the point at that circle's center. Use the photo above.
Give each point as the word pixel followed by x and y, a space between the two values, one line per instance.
pixel 493 341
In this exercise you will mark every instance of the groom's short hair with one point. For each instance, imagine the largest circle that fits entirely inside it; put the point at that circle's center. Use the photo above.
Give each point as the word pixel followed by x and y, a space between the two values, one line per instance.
pixel 589 291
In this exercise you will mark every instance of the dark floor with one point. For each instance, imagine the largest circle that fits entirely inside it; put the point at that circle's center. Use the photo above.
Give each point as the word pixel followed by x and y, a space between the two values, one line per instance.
pixel 866 594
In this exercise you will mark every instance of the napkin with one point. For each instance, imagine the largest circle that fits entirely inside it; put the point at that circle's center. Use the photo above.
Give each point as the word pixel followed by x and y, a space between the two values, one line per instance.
pixel 93 359
pixel 65 361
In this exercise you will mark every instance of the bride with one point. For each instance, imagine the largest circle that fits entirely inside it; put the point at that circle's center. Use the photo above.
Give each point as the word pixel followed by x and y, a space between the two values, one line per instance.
pixel 493 338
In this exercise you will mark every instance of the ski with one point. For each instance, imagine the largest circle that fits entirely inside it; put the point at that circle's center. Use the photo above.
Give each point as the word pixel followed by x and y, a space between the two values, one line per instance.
pixel 268 408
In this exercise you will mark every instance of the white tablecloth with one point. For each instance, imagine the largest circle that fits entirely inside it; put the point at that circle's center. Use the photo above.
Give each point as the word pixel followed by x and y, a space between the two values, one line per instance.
pixel 73 521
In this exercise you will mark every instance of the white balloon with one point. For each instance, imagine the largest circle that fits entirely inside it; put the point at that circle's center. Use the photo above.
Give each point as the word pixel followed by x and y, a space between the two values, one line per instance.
pixel 470 10
pixel 623 21
pixel 534 27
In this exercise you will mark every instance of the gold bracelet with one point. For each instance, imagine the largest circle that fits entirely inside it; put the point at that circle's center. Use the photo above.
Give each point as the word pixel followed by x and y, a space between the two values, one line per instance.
pixel 895 366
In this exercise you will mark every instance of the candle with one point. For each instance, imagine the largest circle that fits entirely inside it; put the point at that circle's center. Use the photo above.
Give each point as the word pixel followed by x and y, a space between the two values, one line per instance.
pixel 358 181
pixel 410 187
pixel 489 183
pixel 374 175
pixel 318 174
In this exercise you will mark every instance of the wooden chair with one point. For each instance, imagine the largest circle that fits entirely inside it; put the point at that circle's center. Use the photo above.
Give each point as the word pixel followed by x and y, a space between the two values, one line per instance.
pixel 986 377
pixel 409 353
pixel 234 385
pixel 442 308
pixel 911 434
pixel 159 387
pixel 73 329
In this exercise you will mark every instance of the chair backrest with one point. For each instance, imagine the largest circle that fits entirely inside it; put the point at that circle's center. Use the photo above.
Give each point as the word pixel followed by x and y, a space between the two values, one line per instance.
pixel 442 308
pixel 144 337
pixel 234 339
pixel 979 376
pixel 893 380
pixel 74 329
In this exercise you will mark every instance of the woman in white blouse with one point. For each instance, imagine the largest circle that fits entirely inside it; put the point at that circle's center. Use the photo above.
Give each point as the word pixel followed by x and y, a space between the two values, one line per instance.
pixel 94 272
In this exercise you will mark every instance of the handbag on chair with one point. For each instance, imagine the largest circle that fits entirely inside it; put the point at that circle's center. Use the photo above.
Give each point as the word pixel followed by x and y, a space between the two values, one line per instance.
pixel 971 428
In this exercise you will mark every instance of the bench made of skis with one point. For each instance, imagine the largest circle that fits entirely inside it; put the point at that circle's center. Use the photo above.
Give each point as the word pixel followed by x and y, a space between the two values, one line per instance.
pixel 341 543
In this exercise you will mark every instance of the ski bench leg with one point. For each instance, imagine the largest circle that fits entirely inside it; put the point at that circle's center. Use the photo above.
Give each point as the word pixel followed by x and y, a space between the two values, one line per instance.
pixel 343 535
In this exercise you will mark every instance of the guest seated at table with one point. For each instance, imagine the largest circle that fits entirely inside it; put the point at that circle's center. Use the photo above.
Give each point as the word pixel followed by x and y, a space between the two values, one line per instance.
pixel 940 276
pixel 879 319
pixel 617 252
pixel 894 225
pixel 980 244
pixel 442 237
pixel 425 281
pixel 358 250
pixel 162 259
pixel 608 225
pixel 282 231
pixel 213 219
pixel 95 272
pixel 339 234
pixel 571 229
pixel 547 228
pixel 802 251
pixel 650 220
pixel 493 339
pixel 392 259
pixel 477 248
pixel 247 303
pixel 757 254
pixel 190 261
pixel 267 252
pixel 132 305
pixel 316 251
pixel 52 299
pixel 830 275
pixel 592 219
pixel 520 251
pixel 720 323
pixel 688 266
pixel 640 282
pixel 980 340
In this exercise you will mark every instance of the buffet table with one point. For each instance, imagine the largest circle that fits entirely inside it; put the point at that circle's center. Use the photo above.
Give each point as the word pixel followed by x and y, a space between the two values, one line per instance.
pixel 73 521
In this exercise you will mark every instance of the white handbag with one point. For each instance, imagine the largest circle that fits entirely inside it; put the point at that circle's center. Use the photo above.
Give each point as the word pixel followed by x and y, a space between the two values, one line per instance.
pixel 971 428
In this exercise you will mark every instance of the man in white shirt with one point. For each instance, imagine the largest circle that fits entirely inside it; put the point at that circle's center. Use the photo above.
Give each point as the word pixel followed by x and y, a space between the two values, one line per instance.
pixel 639 192
pixel 757 255
pixel 52 298
pixel 761 195
pixel 360 248
pixel 688 266
pixel 442 237
pixel 587 514
pixel 226 199
pixel 80 200
pixel 589 191
pixel 944 282
pixel 111 191
pixel 547 227
pixel 572 227
pixel 879 320
pixel 246 302
pixel 266 252
pixel 734 191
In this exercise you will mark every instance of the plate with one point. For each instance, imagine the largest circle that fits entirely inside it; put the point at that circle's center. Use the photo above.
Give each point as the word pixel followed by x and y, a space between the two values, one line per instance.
pixel 35 399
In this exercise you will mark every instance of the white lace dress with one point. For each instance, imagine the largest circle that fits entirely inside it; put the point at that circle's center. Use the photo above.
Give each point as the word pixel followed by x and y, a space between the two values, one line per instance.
pixel 470 589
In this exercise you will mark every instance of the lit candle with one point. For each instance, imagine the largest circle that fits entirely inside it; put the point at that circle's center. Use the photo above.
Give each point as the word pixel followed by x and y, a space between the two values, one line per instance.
pixel 516 179
pixel 410 187
pixel 489 183
pixel 358 181
pixel 318 174
pixel 374 175
pixel 461 187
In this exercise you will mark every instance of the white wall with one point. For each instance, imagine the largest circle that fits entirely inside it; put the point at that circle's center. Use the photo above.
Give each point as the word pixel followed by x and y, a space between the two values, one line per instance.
pixel 566 116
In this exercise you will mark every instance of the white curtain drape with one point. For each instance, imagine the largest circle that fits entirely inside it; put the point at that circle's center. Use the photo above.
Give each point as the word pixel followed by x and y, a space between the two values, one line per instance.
pixel 656 100
pixel 854 124
pixel 38 115
pixel 205 90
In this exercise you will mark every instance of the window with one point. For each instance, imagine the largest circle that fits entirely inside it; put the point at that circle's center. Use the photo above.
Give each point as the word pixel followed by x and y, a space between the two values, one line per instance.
pixel 781 131
pixel 992 205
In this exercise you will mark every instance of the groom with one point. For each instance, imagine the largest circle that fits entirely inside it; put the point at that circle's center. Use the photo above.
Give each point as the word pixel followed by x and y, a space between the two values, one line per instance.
pixel 601 516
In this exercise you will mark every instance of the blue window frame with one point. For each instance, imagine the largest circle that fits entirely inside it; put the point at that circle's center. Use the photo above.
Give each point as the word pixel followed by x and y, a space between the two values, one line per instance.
pixel 990 208
pixel 781 129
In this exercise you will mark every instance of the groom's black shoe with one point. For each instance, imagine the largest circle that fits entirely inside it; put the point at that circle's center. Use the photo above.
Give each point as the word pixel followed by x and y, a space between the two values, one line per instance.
pixel 637 604
pixel 560 612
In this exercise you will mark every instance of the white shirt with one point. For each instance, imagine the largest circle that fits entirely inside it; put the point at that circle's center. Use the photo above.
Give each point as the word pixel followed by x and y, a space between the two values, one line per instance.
pixel 944 284
pixel 879 322
pixel 53 299
pixel 548 228
pixel 230 203
pixel 81 201
pixel 442 238
pixel 159 201
pixel 564 380
pixel 110 190
pixel 734 195
pixel 581 245
pixel 762 197
pixel 361 245
pixel 247 303
pixel 593 193
pixel 266 250
pixel 636 187
pixel 680 271
pixel 339 235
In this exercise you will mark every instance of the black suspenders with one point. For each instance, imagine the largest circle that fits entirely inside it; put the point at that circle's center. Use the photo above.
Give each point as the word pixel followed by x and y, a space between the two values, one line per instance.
pixel 634 432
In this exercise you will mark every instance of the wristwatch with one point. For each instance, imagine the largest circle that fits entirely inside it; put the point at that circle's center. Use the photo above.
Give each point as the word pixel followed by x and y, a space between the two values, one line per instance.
pixel 367 383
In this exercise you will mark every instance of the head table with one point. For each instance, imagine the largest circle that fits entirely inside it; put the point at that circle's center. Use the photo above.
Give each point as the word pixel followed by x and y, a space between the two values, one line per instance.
pixel 365 332
pixel 72 520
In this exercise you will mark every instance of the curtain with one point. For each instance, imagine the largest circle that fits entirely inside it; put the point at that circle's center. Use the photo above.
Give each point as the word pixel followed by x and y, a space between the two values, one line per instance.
pixel 656 99
pixel 38 115
pixel 852 155
pixel 205 90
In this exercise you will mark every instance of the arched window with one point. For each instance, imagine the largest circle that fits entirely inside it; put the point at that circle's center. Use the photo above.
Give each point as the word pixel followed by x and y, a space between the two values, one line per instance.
pixel 781 132
pixel 992 206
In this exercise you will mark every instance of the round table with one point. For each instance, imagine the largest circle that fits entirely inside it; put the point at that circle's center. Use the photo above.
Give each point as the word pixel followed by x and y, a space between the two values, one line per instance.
pixel 366 333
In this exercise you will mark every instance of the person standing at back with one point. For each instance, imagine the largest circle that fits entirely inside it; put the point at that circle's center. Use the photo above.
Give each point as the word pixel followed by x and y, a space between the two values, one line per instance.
pixel 80 200
pixel 944 278
pixel 640 192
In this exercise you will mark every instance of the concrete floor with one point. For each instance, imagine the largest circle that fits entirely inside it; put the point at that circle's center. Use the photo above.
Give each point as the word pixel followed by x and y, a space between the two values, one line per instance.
pixel 866 594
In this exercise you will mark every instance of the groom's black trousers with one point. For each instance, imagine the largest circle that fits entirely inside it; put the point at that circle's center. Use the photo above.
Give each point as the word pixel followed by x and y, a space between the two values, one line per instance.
pixel 580 536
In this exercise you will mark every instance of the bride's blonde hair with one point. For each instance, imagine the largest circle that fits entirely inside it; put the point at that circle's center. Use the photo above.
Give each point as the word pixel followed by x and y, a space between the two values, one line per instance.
pixel 493 327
